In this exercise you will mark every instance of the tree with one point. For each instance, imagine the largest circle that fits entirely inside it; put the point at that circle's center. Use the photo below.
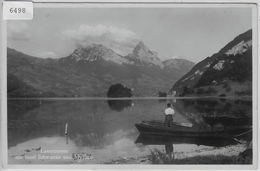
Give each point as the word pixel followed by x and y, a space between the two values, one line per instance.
pixel 211 90
pixel 222 95
pixel 228 89
pixel 187 90
pixel 162 94
pixel 118 90
pixel 200 91
pixel 225 85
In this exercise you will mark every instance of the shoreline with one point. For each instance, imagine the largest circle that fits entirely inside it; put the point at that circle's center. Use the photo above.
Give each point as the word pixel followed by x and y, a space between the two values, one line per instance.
pixel 125 98
pixel 232 154
pixel 232 151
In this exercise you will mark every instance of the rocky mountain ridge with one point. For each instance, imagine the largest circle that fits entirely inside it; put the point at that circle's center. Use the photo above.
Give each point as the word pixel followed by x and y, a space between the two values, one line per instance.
pixel 97 52
pixel 178 63
pixel 231 65
pixel 140 56
pixel 88 72
pixel 145 55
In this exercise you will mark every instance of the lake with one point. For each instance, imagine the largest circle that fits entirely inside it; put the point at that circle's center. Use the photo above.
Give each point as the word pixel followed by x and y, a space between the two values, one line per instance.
pixel 101 130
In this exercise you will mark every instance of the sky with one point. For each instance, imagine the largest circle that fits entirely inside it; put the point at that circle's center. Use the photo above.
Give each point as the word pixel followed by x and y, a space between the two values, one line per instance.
pixel 190 33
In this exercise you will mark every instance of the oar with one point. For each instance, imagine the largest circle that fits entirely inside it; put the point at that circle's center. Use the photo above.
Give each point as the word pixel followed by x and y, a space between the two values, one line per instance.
pixel 175 123
pixel 243 133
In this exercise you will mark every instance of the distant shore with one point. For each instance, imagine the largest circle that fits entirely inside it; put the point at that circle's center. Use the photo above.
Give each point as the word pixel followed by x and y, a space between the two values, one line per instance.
pixel 124 98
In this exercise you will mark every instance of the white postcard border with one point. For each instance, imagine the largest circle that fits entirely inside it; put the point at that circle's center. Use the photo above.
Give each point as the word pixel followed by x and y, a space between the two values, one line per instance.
pixel 148 4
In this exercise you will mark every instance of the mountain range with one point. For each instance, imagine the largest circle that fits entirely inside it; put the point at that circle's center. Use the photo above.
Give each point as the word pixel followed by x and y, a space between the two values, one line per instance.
pixel 228 72
pixel 89 71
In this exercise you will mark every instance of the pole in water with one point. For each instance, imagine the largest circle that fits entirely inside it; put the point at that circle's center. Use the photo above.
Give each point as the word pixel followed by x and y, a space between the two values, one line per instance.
pixel 67 140
pixel 66 129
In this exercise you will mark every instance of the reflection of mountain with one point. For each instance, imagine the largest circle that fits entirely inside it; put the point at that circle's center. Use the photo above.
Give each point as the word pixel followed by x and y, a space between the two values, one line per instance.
pixel 95 118
pixel 30 119
pixel 22 109
pixel 119 105
pixel 91 134
pixel 24 134
pixel 95 140
pixel 146 139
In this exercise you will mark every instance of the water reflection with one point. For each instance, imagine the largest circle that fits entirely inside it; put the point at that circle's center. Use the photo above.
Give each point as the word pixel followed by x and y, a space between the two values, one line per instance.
pixel 227 121
pixel 106 128
pixel 169 148
pixel 162 100
pixel 119 105
pixel 203 110
pixel 109 146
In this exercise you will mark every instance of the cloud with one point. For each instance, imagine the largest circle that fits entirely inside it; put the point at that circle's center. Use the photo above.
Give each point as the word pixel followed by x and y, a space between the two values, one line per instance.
pixel 18 30
pixel 118 39
pixel 47 55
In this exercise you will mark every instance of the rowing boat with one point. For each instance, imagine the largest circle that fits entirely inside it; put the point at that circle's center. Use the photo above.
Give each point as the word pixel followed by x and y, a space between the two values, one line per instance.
pixel 159 128
pixel 148 139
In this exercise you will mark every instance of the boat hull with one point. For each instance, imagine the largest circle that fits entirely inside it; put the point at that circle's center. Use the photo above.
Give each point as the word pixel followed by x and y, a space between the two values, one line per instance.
pixel 149 139
pixel 158 128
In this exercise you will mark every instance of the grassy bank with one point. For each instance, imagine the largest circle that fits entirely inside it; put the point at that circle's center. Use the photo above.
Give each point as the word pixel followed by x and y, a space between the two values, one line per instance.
pixel 158 157
pixel 165 159
pixel 235 154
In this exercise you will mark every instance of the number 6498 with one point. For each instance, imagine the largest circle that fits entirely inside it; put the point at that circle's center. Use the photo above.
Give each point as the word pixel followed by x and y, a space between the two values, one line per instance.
pixel 17 10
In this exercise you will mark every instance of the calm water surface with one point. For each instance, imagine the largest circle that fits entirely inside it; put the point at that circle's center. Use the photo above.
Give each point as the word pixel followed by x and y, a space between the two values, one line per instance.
pixel 104 129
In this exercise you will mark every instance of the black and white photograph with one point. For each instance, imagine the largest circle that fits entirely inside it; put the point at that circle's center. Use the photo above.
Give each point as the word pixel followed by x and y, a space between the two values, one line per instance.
pixel 132 84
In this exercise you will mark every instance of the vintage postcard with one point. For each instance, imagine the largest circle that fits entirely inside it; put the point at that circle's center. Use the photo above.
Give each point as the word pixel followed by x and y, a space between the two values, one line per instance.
pixel 130 85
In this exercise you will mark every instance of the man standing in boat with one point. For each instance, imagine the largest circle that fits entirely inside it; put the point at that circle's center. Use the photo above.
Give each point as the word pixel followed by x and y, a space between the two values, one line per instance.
pixel 169 112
